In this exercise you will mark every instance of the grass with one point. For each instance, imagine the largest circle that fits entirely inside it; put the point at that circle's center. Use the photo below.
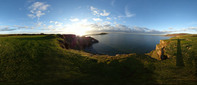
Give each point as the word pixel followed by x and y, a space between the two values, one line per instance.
pixel 181 67
pixel 27 58
pixel 39 60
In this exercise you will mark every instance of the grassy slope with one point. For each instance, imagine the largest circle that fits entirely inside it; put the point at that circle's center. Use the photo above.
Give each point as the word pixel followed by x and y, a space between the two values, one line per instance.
pixel 169 71
pixel 40 60
pixel 35 58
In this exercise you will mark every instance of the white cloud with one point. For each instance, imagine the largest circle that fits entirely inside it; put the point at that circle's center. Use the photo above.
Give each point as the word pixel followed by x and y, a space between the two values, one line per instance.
pixel 39 24
pixel 122 28
pixel 184 30
pixel 39 6
pixel 115 17
pixel 128 14
pixel 50 26
pixel 14 27
pixel 51 21
pixel 108 18
pixel 74 19
pixel 104 13
pixel 107 22
pixel 82 26
pixel 6 28
pixel 192 28
pixel 39 14
pixel 95 11
pixel 37 9
pixel 140 29
pixel 92 8
pixel 84 20
pixel 98 12
pixel 20 27
pixel 31 15
pixel 97 19
pixel 108 27
pixel 56 23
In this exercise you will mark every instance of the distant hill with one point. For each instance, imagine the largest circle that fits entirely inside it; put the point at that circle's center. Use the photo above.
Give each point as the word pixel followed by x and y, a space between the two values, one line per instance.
pixel 177 34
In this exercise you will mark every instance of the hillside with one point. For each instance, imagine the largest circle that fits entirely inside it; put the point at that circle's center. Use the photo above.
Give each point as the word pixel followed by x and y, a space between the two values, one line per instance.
pixel 180 67
pixel 178 34
pixel 40 60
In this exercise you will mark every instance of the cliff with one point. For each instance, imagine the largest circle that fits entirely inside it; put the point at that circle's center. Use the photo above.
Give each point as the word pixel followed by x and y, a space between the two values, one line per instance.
pixel 70 41
pixel 159 52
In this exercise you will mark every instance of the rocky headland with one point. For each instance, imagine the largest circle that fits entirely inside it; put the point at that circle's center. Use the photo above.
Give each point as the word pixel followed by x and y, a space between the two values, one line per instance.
pixel 70 41
pixel 159 52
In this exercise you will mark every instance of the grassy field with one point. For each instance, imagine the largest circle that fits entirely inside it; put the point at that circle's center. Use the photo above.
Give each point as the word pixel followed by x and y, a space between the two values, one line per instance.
pixel 39 60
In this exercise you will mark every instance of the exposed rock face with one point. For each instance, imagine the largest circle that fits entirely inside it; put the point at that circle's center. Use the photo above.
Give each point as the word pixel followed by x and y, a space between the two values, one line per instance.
pixel 71 41
pixel 158 53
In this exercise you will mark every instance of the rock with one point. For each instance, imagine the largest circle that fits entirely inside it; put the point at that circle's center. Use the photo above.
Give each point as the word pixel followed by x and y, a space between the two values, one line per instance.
pixel 71 41
pixel 117 54
pixel 158 53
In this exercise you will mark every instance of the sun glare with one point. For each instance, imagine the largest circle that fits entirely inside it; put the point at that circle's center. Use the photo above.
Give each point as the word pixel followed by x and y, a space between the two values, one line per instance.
pixel 79 29
pixel 80 32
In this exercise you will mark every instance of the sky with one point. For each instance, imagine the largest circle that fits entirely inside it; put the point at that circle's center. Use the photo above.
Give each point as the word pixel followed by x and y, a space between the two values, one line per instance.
pixel 83 16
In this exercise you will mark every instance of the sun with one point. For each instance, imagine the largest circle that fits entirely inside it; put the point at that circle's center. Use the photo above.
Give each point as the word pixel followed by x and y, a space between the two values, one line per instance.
pixel 80 32
pixel 79 29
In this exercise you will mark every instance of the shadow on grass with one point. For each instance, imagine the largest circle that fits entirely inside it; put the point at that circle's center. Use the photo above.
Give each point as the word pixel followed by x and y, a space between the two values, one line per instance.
pixel 116 72
pixel 179 57
pixel 91 72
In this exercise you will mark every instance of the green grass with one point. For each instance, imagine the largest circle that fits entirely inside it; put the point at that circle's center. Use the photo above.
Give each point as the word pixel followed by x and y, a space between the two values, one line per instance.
pixel 35 58
pixel 169 71
pixel 39 60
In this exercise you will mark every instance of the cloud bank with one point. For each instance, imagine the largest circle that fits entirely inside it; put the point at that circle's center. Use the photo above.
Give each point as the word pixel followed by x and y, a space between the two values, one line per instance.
pixel 14 27
pixel 122 28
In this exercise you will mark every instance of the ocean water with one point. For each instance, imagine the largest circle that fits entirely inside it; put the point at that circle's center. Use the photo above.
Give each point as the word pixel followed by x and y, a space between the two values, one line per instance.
pixel 124 43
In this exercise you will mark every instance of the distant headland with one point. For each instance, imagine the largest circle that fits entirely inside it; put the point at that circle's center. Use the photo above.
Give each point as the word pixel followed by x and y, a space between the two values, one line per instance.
pixel 178 34
pixel 102 33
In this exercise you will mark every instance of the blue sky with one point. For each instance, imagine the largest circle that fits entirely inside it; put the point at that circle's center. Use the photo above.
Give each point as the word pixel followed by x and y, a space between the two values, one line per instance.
pixel 82 16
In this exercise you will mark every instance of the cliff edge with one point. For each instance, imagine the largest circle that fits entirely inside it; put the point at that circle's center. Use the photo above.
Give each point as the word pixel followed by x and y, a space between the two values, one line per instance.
pixel 70 41
pixel 159 52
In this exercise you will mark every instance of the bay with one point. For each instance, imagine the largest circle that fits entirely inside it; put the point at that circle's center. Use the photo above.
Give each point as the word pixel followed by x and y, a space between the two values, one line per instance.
pixel 124 43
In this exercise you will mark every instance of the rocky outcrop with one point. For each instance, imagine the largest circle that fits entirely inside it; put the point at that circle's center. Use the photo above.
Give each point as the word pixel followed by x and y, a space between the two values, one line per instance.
pixel 70 41
pixel 158 53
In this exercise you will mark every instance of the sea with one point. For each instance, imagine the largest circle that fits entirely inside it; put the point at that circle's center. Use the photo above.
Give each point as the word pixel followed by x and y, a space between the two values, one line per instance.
pixel 125 43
